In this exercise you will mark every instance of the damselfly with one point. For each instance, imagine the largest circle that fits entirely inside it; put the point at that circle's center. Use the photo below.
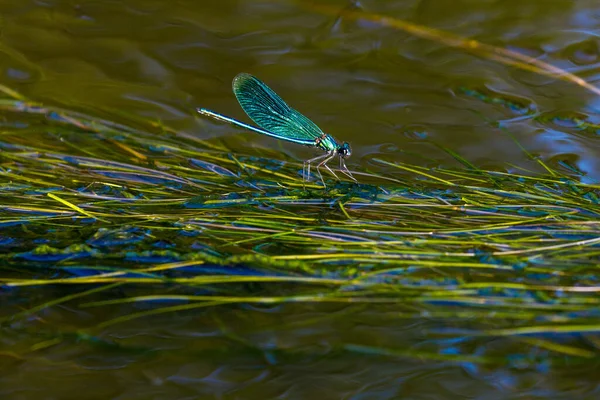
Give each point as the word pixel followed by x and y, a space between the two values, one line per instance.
pixel 276 119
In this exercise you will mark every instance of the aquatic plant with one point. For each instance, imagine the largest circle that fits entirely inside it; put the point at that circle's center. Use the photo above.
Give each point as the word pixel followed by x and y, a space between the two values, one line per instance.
pixel 131 221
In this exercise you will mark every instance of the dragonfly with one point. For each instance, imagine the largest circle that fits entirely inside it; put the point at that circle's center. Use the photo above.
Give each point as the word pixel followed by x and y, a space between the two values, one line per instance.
pixel 278 120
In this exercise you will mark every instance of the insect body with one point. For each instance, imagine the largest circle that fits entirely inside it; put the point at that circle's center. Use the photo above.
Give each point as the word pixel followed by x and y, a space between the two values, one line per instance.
pixel 276 119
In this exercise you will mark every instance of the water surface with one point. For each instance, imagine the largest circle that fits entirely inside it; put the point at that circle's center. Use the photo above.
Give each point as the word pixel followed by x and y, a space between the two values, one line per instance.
pixel 393 96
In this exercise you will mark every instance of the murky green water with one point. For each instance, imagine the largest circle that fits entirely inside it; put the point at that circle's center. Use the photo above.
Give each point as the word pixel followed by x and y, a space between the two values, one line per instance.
pixel 390 94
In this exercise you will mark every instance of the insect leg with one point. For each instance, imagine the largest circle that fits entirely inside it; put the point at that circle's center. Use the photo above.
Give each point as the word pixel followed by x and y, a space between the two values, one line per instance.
pixel 306 165
pixel 324 162
pixel 329 169
pixel 345 170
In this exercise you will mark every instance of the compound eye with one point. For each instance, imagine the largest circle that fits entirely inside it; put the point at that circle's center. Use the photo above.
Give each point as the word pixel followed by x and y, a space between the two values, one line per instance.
pixel 344 150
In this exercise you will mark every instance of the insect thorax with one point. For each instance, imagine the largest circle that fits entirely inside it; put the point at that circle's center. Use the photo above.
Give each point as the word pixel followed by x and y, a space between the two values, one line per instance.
pixel 326 143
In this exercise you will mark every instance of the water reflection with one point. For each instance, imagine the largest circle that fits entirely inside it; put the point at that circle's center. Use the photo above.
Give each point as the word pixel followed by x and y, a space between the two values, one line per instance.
pixel 393 96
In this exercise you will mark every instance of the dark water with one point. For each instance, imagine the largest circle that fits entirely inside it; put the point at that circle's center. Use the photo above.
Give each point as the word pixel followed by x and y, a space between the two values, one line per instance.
pixel 379 88
pixel 376 87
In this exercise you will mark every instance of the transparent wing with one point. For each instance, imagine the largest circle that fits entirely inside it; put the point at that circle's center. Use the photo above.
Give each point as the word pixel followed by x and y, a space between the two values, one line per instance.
pixel 271 113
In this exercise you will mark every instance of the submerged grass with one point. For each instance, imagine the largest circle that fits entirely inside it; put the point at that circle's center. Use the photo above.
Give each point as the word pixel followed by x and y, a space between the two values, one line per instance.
pixel 97 215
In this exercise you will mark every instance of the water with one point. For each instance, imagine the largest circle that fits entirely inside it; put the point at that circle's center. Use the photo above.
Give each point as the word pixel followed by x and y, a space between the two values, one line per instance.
pixel 388 93
pixel 371 85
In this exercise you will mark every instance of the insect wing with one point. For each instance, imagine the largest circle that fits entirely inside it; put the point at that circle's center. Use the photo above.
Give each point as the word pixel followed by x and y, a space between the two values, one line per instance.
pixel 271 113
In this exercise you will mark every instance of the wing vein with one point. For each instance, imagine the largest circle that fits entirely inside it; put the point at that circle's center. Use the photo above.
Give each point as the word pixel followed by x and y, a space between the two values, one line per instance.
pixel 271 113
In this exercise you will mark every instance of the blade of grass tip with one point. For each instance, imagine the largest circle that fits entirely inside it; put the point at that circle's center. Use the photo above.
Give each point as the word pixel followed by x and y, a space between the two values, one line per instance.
pixel 558 348
pixel 465 175
pixel 245 166
pixel 74 207
pixel 255 238
pixel 18 178
pixel 240 165
pixel 268 171
pixel 164 310
pixel 12 354
pixel 417 354
pixel 539 250
pixel 230 334
pixel 199 280
pixel 466 162
pixel 12 93
pixel 541 329
pixel 504 56
pixel 344 210
pixel 514 139
pixel 36 210
pixel 233 160
pixel 172 266
pixel 387 178
pixel 414 171
pixel 61 300
pixel 126 148
pixel 77 281
pixel 45 344
pixel 64 117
